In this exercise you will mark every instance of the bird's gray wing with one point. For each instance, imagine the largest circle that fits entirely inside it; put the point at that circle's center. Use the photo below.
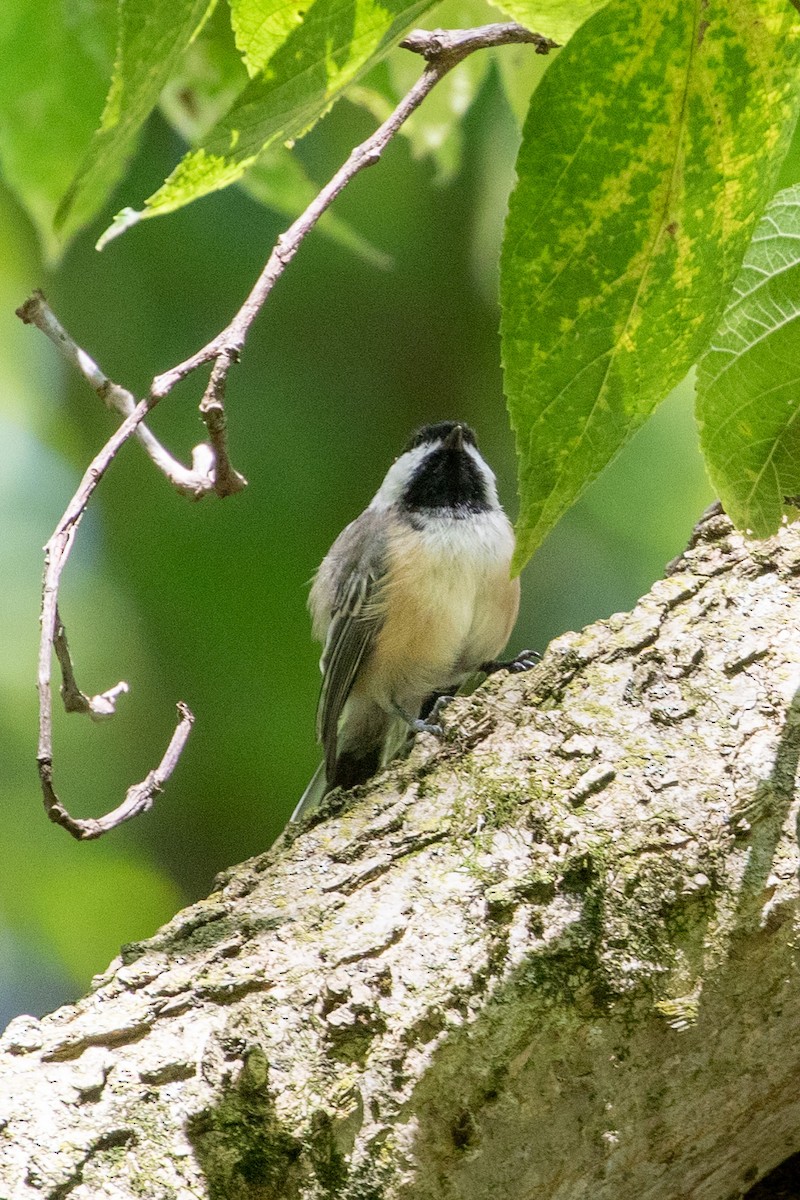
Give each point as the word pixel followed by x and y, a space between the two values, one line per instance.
pixel 356 618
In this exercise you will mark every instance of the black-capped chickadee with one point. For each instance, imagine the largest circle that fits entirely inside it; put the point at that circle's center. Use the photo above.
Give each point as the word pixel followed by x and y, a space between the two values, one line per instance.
pixel 413 597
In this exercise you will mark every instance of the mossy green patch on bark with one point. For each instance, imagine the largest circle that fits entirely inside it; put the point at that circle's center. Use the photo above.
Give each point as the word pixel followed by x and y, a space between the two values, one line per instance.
pixel 241 1145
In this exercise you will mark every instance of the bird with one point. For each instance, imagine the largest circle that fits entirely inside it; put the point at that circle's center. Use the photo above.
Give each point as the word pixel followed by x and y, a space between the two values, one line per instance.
pixel 413 598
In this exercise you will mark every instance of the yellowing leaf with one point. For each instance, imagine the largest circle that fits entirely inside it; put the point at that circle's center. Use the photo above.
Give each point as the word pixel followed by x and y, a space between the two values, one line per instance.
pixel 651 146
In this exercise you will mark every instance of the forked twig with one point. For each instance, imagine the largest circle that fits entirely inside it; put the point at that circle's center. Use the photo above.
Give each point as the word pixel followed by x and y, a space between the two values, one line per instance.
pixel 53 636
pixel 195 481
pixel 97 707
pixel 211 468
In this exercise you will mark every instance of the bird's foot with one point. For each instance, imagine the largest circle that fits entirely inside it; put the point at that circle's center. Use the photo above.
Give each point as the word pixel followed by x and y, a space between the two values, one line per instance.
pixel 525 660
pixel 429 723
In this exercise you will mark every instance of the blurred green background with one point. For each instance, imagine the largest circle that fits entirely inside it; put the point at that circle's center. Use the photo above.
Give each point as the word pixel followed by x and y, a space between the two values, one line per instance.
pixel 206 602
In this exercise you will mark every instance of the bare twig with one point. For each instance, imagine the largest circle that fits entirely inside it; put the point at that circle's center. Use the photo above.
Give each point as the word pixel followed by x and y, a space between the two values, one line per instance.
pixel 138 798
pixel 97 707
pixel 211 468
pixel 53 636
pixel 438 44
pixel 194 482
pixel 227 481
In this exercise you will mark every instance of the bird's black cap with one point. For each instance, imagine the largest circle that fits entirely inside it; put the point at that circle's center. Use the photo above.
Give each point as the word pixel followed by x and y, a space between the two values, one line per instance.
pixel 439 433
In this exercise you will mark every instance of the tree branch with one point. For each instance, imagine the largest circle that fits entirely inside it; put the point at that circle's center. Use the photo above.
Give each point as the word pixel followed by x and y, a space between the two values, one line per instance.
pixel 97 707
pixel 555 956
pixel 53 636
pixel 211 469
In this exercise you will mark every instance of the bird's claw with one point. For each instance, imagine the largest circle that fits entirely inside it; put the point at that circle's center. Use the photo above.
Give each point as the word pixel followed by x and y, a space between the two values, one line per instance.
pixel 525 661
pixel 430 724
pixel 429 727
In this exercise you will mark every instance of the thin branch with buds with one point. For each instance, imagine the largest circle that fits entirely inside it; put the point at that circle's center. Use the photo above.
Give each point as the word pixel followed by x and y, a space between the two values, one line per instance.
pixel 211 469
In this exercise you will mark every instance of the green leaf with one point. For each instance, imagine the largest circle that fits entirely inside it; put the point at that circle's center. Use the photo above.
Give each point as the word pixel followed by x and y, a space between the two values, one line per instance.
pixel 748 383
pixel 315 54
pixel 435 130
pixel 790 167
pixel 57 62
pixel 206 81
pixel 209 79
pixel 152 36
pixel 651 147
pixel 557 19
pixel 260 28
pixel 520 74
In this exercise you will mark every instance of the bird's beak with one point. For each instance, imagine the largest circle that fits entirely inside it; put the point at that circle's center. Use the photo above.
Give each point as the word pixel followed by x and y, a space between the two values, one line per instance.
pixel 454 439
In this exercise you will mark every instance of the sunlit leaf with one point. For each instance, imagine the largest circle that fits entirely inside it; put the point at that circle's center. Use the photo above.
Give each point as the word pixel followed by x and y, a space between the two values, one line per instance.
pixel 208 81
pixel 260 27
pixel 435 130
pixel 748 383
pixel 318 49
pixel 56 64
pixel 651 146
pixel 151 38
pixel 557 19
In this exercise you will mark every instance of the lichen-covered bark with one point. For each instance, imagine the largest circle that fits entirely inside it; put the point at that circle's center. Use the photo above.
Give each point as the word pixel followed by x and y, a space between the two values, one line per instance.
pixel 553 958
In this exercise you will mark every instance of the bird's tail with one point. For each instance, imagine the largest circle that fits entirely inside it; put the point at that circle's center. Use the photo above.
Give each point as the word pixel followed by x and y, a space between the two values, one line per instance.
pixel 348 770
pixel 312 796
pixel 357 763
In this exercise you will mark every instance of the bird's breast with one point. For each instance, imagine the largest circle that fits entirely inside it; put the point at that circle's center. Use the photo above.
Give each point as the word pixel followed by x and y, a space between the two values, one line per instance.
pixel 448 606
